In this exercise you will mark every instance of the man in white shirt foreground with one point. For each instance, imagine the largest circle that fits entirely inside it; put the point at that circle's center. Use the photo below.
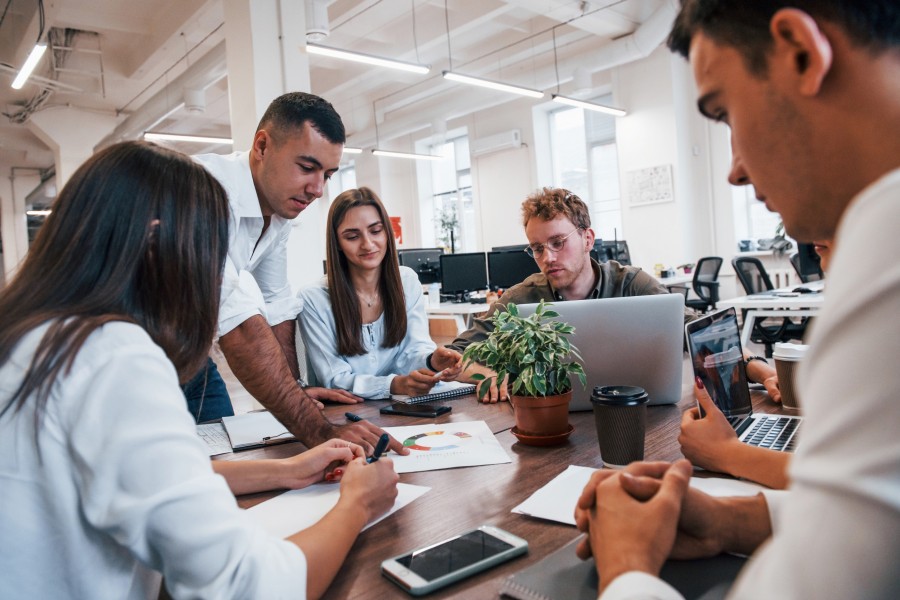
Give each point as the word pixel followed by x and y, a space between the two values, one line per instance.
pixel 811 91
pixel 296 149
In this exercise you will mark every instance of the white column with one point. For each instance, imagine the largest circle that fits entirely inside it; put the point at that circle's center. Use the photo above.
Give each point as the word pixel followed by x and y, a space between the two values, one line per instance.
pixel 71 134
pixel 266 55
pixel 13 220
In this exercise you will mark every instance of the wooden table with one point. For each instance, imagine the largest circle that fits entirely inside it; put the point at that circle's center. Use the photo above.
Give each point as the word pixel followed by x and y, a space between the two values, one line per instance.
pixel 462 499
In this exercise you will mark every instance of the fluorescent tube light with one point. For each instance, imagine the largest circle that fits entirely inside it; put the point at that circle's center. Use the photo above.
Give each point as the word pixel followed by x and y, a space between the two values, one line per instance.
pixel 367 59
pixel 177 137
pixel 494 85
pixel 30 63
pixel 349 150
pixel 618 112
pixel 38 213
pixel 391 154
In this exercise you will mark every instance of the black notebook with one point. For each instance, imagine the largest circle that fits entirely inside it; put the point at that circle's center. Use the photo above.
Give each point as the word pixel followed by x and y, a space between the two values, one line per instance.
pixel 561 575
pixel 445 389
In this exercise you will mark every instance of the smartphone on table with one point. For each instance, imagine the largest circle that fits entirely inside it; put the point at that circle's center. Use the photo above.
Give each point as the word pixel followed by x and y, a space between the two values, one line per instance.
pixel 415 410
pixel 427 569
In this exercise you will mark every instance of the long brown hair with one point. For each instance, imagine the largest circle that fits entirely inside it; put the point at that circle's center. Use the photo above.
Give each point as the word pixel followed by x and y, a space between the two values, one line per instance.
pixel 138 234
pixel 344 301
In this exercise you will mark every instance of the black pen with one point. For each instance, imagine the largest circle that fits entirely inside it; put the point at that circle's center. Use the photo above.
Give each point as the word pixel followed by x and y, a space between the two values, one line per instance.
pixel 352 417
pixel 380 447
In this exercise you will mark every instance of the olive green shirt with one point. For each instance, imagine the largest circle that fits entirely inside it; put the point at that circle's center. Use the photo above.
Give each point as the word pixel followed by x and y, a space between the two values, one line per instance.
pixel 613 281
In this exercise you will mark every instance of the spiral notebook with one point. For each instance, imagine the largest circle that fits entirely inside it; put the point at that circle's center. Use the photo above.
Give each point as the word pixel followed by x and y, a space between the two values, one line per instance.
pixel 442 391
pixel 561 575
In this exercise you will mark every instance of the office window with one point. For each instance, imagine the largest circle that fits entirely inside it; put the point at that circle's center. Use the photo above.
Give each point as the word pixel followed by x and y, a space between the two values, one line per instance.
pixel 450 213
pixel 585 161
pixel 343 180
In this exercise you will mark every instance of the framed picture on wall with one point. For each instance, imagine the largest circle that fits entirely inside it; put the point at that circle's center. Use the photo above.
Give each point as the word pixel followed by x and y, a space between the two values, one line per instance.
pixel 652 185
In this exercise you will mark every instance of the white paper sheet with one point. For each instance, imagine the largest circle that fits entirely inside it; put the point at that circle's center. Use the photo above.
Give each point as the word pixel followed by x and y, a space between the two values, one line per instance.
pixel 296 510
pixel 556 500
pixel 446 446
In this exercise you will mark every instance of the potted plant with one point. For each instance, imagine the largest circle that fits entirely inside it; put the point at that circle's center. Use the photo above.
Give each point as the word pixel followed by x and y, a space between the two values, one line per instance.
pixel 535 354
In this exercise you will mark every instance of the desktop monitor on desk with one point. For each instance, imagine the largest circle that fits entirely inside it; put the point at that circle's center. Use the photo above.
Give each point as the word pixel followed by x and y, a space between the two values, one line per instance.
pixel 506 269
pixel 616 250
pixel 462 274
pixel 426 262
pixel 513 248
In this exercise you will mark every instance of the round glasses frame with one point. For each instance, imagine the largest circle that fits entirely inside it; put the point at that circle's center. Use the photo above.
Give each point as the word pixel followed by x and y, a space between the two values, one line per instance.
pixel 554 245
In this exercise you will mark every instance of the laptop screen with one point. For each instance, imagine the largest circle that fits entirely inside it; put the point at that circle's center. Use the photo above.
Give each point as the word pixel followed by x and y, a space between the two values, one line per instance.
pixel 715 345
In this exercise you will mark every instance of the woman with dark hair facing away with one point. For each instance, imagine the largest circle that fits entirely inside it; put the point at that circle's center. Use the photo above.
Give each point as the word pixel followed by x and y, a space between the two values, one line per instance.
pixel 365 326
pixel 106 485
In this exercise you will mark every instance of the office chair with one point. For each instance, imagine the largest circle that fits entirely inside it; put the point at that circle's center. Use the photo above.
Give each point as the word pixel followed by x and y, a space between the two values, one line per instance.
pixel 705 284
pixel 804 278
pixel 753 277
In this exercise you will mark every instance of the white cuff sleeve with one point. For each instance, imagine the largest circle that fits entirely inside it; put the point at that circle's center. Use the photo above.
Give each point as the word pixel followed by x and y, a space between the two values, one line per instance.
pixel 636 585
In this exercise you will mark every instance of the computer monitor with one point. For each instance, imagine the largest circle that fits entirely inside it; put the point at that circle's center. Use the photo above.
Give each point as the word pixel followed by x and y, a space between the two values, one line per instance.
pixel 463 273
pixel 513 248
pixel 616 250
pixel 426 262
pixel 506 269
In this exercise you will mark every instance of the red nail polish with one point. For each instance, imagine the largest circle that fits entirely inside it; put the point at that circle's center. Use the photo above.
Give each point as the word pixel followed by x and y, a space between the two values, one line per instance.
pixel 699 382
pixel 329 476
pixel 338 472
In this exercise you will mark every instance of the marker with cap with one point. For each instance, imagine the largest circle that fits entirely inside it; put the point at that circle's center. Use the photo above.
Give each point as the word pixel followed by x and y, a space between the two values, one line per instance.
pixel 353 417
pixel 380 447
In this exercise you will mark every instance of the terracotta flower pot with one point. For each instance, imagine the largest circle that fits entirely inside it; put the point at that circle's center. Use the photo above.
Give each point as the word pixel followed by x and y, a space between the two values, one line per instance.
pixel 542 416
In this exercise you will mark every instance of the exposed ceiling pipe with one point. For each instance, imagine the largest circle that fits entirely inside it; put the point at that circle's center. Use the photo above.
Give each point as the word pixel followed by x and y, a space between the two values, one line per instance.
pixel 206 71
pixel 639 44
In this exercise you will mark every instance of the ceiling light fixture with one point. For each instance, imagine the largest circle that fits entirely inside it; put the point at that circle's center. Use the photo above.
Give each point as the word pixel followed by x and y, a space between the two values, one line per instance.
pixel 30 63
pixel 368 59
pixel 392 154
pixel 557 97
pixel 38 213
pixel 316 20
pixel 177 137
pixel 350 150
pixel 610 110
pixel 491 84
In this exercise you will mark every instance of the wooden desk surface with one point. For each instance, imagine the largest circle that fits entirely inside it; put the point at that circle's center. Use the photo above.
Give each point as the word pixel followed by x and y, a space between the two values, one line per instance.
pixel 462 499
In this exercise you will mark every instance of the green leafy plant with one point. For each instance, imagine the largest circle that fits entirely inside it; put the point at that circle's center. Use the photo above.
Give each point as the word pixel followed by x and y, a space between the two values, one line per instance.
pixel 534 351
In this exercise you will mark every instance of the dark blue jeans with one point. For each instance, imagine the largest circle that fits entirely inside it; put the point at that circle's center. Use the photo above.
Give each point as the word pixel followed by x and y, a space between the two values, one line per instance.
pixel 206 395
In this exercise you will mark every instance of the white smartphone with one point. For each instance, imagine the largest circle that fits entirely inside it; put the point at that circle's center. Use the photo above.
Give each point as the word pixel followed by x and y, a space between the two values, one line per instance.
pixel 427 569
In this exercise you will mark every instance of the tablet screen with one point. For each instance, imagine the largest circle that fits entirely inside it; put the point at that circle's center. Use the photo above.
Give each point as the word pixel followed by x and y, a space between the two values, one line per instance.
pixel 716 357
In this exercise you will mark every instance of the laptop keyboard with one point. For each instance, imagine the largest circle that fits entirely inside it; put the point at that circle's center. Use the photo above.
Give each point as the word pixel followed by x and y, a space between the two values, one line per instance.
pixel 776 433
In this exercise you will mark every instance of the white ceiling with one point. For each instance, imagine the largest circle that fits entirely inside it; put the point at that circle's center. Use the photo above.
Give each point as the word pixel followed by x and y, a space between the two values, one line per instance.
pixel 144 45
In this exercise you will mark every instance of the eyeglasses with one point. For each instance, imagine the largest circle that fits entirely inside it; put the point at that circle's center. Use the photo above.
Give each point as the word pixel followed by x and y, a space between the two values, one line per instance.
pixel 554 244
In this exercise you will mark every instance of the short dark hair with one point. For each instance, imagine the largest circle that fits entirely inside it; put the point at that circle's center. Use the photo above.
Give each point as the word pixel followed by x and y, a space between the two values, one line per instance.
pixel 344 301
pixel 744 24
pixel 549 203
pixel 293 110
pixel 138 234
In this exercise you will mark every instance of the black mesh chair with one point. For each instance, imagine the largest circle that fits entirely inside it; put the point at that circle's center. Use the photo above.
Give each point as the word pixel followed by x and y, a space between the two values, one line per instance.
pixel 753 277
pixel 705 284
pixel 804 277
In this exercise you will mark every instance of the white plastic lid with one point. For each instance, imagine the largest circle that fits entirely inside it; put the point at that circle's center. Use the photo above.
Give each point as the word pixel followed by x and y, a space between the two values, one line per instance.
pixel 789 351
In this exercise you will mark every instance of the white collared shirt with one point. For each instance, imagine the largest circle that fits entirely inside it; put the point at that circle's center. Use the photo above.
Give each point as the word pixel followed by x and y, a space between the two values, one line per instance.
pixel 255 280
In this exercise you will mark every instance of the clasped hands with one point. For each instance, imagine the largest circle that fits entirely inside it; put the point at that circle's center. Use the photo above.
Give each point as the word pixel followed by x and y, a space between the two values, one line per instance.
pixel 638 517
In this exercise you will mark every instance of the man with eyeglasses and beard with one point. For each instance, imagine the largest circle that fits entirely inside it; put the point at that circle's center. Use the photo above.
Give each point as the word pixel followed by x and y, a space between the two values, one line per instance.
pixel 558 227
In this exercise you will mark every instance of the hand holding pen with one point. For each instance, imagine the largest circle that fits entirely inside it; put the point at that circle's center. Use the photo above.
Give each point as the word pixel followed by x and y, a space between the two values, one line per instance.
pixel 368 435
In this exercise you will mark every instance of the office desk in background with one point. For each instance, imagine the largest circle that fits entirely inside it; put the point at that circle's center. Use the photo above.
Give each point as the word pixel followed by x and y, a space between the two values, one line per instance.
pixel 464 498
pixel 774 304
pixel 461 313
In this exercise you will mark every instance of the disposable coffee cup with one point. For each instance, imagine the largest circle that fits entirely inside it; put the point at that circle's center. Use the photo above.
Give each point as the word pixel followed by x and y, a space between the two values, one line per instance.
pixel 787 357
pixel 620 416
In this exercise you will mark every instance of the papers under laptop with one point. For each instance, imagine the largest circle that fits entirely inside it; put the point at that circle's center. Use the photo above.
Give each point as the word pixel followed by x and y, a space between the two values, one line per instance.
pixel 716 357
pixel 636 340
pixel 254 429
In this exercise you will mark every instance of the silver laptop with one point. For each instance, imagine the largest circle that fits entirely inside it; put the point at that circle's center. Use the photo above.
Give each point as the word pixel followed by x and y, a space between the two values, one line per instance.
pixel 715 344
pixel 636 340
